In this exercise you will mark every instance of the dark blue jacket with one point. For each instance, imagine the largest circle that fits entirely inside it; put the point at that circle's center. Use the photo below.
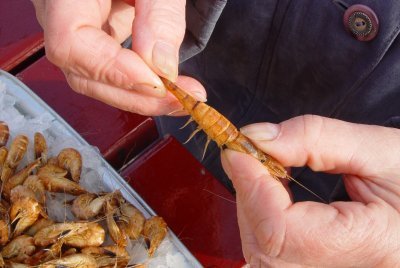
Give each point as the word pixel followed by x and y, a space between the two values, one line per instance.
pixel 271 60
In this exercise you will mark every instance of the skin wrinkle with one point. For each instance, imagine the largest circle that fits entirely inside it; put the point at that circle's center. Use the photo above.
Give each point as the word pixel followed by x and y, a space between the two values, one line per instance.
pixel 56 55
pixel 355 164
pixel 310 141
pixel 271 239
pixel 112 73
pixel 96 70
pixel 384 192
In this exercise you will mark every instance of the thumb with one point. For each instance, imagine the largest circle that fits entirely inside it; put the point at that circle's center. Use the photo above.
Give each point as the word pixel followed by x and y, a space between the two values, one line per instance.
pixel 157 33
pixel 330 145
pixel 263 199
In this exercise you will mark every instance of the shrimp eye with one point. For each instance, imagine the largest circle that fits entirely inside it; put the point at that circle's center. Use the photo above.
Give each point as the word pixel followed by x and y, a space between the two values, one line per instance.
pixel 110 253
pixel 262 161
pixel 147 241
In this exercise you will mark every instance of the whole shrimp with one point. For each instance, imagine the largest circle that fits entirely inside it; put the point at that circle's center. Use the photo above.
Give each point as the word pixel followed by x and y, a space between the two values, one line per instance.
pixel 40 147
pixel 89 205
pixel 34 183
pixel 3 156
pixel 117 234
pixel 219 129
pixel 19 249
pixel 39 225
pixel 25 209
pixel 17 151
pixel 19 178
pixel 154 231
pixel 53 180
pixel 108 256
pixel 131 220
pixel 4 133
pixel 75 234
pixel 71 160
pixel 4 223
pixel 71 261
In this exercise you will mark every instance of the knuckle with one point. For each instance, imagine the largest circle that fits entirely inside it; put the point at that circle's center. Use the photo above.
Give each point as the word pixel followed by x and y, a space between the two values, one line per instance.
pixel 78 84
pixel 57 51
pixel 168 21
pixel 313 134
pixel 110 72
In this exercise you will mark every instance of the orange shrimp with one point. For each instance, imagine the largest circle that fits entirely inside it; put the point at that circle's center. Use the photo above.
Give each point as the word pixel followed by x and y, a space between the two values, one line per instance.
pixel 219 129
pixel 17 151
pixel 71 160
pixel 3 156
pixel 4 133
pixel 154 232
pixel 40 147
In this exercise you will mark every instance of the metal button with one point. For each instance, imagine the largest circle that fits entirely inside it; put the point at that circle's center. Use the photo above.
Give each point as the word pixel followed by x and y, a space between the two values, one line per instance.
pixel 362 22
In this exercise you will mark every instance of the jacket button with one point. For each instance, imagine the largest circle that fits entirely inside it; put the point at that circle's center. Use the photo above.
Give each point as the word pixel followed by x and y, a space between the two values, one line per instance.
pixel 361 22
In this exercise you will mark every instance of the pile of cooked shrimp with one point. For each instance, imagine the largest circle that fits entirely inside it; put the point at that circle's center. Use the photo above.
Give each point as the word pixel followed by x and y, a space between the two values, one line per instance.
pixel 29 237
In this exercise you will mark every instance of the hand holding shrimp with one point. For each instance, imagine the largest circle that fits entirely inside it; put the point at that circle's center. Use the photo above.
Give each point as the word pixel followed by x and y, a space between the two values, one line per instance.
pixel 276 232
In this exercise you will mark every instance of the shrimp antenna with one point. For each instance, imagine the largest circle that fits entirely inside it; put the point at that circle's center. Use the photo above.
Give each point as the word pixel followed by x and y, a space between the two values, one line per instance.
pixel 305 188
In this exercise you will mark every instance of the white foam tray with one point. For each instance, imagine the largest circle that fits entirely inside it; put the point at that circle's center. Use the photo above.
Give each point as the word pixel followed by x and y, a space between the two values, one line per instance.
pixel 29 104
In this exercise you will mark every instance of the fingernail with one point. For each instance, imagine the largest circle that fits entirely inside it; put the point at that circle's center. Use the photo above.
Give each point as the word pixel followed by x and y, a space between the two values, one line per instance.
pixel 165 60
pixel 199 95
pixel 152 90
pixel 261 131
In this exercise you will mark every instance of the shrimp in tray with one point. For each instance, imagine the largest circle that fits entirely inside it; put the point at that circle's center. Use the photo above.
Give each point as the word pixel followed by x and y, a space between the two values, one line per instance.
pixel 219 129
pixel 19 178
pixel 71 261
pixel 53 179
pixel 19 249
pixel 74 234
pixel 71 160
pixel 154 232
pixel 25 209
pixel 108 256
pixel 4 133
pixel 40 148
pixel 89 205
pixel 4 223
pixel 15 154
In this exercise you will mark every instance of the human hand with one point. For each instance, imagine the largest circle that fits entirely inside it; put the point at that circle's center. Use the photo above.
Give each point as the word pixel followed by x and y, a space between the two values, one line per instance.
pixel 83 39
pixel 279 233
